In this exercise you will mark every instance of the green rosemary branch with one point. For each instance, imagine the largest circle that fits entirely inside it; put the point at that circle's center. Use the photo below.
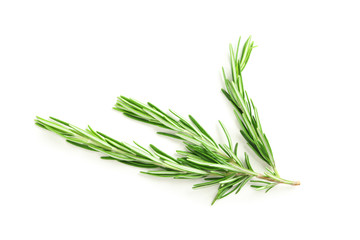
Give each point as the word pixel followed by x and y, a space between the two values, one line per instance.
pixel 203 158
pixel 197 141
pixel 244 108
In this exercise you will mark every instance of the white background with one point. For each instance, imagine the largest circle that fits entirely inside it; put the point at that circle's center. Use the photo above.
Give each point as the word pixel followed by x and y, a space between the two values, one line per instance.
pixel 71 59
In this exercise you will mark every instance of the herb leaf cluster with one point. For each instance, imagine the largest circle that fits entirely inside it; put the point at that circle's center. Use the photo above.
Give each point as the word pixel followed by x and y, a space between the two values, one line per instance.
pixel 202 158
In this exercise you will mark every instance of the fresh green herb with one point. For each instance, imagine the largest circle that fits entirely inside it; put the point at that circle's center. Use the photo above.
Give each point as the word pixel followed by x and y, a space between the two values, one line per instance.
pixel 203 158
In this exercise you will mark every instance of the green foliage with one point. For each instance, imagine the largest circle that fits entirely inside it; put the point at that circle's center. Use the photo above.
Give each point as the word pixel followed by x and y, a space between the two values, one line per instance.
pixel 203 158
pixel 244 108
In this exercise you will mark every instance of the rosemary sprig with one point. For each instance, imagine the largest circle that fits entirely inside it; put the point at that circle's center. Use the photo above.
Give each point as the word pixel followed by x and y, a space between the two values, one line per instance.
pixel 244 108
pixel 203 158
pixel 197 141
pixel 215 163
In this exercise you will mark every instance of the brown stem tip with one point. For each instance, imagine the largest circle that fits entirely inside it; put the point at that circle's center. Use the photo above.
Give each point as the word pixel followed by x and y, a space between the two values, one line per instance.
pixel 296 183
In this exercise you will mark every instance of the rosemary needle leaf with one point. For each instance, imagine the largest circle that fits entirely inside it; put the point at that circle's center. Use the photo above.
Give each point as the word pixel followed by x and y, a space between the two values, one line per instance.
pixel 242 183
pixel 169 135
pixel 227 135
pixel 80 145
pixel 247 161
